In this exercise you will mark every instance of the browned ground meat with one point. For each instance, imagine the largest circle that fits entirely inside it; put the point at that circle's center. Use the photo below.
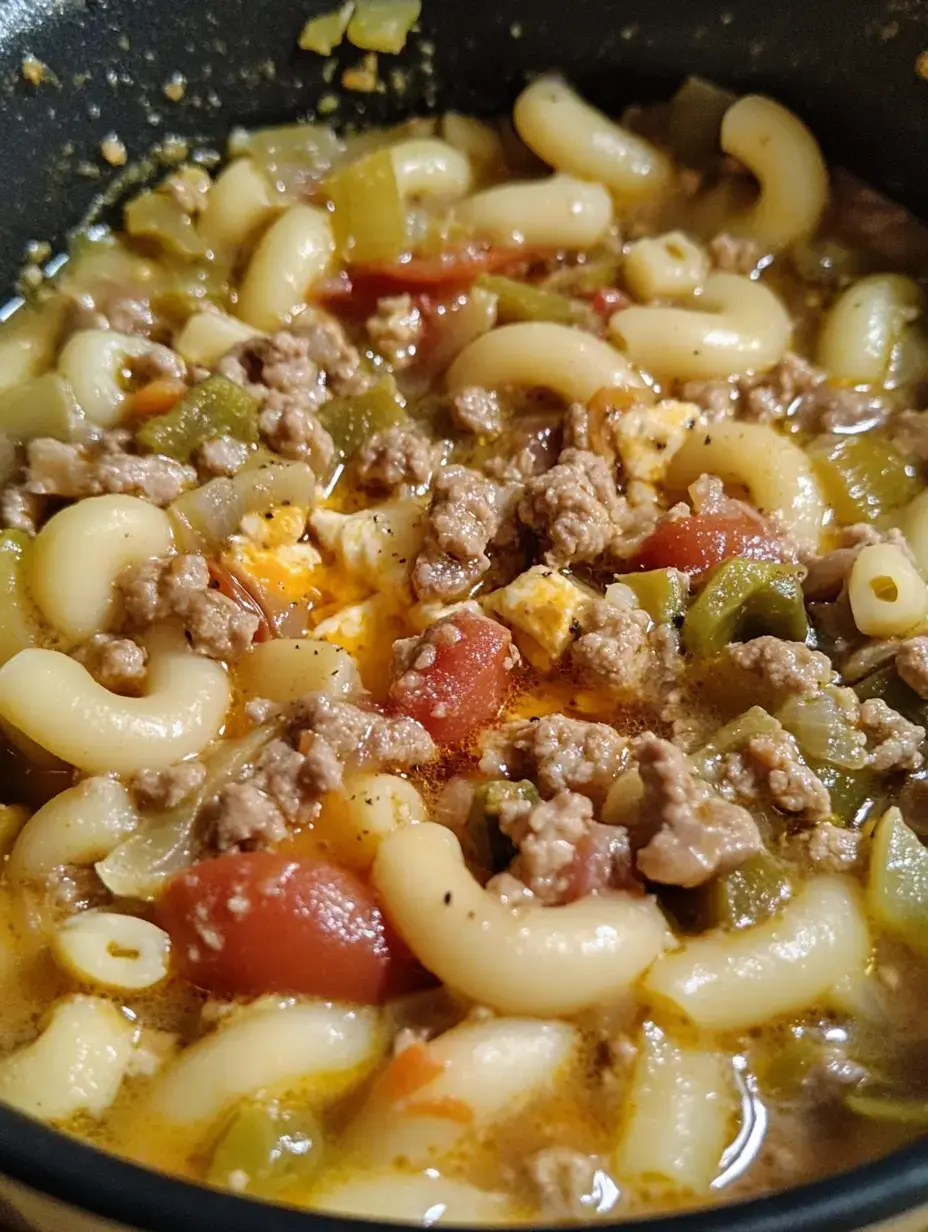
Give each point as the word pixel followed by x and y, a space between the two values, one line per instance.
pixel 913 801
pixel 180 587
pixel 574 508
pixel 117 663
pixel 621 649
pixel 111 307
pixel 463 518
pixel 364 739
pixel 244 817
pixel 558 753
pixel 912 664
pixel 396 459
pixel 833 849
pixel 733 254
pixel 546 836
pixel 772 767
pixel 785 667
pixel 165 789
pixel 20 510
pixel 54 468
pixel 223 455
pixel 567 1183
pixel 910 433
pixel 395 329
pixel 477 410
pixel 293 430
pixel 895 742
pixel 695 833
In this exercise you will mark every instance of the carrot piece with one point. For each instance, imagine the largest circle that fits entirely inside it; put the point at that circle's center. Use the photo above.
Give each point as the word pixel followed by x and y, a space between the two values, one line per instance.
pixel 408 1072
pixel 445 1107
pixel 157 397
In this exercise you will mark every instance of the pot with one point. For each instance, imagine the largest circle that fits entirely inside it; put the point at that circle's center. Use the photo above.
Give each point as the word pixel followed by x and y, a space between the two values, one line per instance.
pixel 851 71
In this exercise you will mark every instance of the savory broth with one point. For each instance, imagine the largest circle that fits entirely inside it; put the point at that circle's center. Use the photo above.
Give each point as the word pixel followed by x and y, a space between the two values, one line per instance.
pixel 464 642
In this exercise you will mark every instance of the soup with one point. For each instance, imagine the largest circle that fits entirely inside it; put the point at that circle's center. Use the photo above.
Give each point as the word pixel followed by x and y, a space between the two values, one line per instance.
pixel 465 668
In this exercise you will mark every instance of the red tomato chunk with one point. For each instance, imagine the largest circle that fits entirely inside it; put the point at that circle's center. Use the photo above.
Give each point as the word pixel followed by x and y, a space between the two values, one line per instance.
pixel 459 677
pixel 697 544
pixel 258 922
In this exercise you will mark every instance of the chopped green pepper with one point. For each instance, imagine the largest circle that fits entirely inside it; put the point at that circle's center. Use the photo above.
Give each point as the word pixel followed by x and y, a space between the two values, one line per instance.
pixel 270 1148
pixel 747 895
pixel 215 407
pixel 743 599
pixel 44 406
pixel 661 592
pixel 897 881
pixel 853 793
pixel 369 215
pixel 19 621
pixel 489 847
pixel 863 476
pixel 383 25
pixel 695 120
pixel 518 301
pixel 352 421
pixel 158 217
pixel 886 684
pixel 754 722
pixel 904 1111
pixel 324 33
pixel 782 1071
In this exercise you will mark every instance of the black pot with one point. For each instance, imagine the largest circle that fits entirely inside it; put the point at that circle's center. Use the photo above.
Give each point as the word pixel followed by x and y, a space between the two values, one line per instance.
pixel 847 66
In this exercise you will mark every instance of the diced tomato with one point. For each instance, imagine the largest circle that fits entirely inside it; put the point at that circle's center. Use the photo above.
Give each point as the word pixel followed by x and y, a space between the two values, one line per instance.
pixel 698 543
pixel 462 686
pixel 259 922
pixel 235 589
pixel 608 300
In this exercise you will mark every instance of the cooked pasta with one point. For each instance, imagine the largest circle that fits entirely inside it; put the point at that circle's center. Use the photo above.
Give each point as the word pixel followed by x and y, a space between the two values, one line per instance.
pixel 464 666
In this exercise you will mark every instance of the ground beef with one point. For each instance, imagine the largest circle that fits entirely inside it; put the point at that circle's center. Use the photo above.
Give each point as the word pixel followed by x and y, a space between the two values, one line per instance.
pixel 243 817
pixel 396 329
pixel 364 739
pixel 167 788
pixel 621 649
pixel 20 510
pixel 789 668
pixel 158 364
pixel 826 575
pixel 477 410
pixel 557 753
pixel 830 408
pixel 54 468
pixel 833 849
pixel 292 429
pixel 110 307
pixel 223 455
pixel 463 518
pixel 530 445
pixel 734 255
pixel 896 742
pixel 913 802
pixel 771 767
pixel 546 836
pixel 569 1185
pixel 912 664
pixel 179 586
pixel 696 833
pixel 603 861
pixel 397 459
pixel 118 663
pixel 574 508
pixel 910 433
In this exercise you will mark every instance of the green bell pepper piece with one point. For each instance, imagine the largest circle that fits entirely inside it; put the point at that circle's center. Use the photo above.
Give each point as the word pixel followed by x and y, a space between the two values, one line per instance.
pixel 863 476
pixel 886 684
pixel 215 407
pixel 897 881
pixel 754 722
pixel 853 793
pixel 274 1148
pixel 351 421
pixel 519 301
pixel 781 1072
pixel 662 593
pixel 369 215
pixel 743 599
pixel 747 895
pixel 489 847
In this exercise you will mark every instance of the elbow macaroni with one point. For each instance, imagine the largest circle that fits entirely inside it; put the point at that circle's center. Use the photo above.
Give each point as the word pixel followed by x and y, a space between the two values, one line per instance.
pixel 557 125
pixel 95 363
pixel 537 353
pixel 746 326
pixel 292 255
pixel 539 960
pixel 57 703
pixel 560 212
pixel 784 156
pixel 775 471
pixel 665 266
pixel 887 594
pixel 239 204
pixel 112 950
pixel 286 669
pixel 428 167
pixel 75 589
pixel 864 326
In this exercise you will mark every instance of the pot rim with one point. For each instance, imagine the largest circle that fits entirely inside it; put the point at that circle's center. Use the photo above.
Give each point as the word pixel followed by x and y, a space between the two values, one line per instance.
pixel 86 1178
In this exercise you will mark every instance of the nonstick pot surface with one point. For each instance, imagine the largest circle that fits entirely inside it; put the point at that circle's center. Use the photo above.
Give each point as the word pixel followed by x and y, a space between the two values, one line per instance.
pixel 848 68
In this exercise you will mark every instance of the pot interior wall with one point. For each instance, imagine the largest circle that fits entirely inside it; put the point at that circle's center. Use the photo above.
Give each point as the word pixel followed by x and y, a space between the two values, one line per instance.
pixel 849 68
